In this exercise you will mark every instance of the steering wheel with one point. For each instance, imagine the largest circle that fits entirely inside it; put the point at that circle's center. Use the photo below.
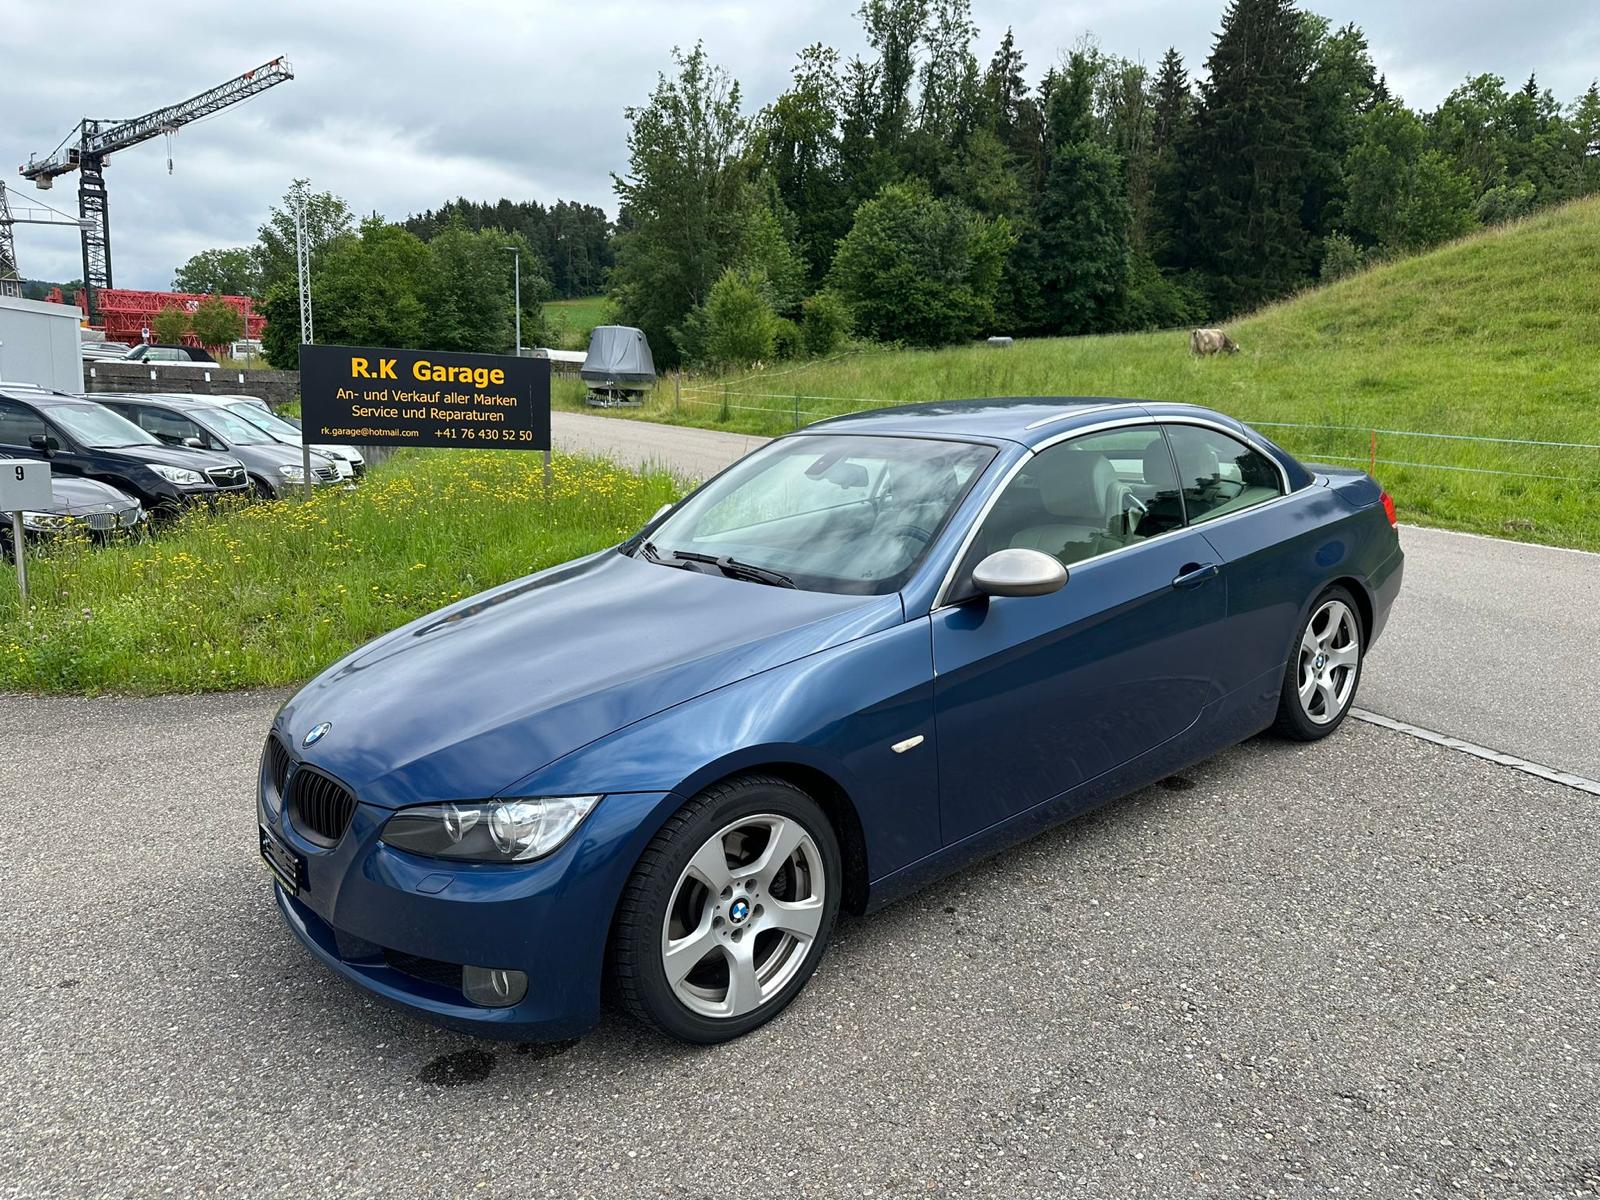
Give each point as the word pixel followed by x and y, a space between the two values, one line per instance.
pixel 912 531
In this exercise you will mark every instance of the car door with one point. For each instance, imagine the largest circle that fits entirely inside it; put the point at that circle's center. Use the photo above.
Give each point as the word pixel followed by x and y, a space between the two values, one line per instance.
pixel 1274 545
pixel 1036 695
pixel 21 425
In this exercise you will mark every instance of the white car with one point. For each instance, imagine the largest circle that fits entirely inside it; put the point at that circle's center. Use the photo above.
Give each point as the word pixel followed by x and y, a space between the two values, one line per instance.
pixel 253 409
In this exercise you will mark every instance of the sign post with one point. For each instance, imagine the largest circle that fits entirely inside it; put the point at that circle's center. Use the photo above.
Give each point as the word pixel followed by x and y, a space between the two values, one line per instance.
pixel 24 486
pixel 370 396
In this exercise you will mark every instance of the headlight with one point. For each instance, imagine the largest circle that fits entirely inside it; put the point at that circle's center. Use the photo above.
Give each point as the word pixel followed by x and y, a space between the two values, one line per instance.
pixel 176 474
pixel 492 831
pixel 43 522
pixel 290 471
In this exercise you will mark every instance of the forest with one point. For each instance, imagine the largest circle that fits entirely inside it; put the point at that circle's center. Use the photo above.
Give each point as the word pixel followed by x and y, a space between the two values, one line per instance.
pixel 914 194
pixel 928 191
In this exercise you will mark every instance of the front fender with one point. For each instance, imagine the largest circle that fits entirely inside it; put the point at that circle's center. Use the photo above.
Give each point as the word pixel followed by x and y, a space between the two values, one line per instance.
pixel 839 712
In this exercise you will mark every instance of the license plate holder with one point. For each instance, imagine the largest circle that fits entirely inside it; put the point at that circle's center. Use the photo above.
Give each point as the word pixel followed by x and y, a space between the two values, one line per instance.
pixel 285 863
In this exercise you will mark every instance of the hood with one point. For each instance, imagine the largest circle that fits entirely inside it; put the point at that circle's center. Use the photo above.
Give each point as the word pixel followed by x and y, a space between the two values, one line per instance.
pixel 465 702
pixel 173 456
pixel 74 495
pixel 270 453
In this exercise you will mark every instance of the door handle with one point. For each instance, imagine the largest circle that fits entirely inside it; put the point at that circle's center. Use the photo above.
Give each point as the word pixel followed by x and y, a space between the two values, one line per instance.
pixel 1194 574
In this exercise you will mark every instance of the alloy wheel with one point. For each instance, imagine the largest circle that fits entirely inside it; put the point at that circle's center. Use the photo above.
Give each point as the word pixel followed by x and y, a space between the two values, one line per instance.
pixel 744 915
pixel 1330 653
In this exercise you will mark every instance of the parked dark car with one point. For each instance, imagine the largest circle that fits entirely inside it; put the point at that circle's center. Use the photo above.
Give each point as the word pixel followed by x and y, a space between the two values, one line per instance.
pixel 864 656
pixel 153 352
pixel 96 508
pixel 274 468
pixel 80 437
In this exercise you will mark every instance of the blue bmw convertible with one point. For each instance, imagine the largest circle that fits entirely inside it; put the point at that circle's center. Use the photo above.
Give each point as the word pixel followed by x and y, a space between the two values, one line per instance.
pixel 858 659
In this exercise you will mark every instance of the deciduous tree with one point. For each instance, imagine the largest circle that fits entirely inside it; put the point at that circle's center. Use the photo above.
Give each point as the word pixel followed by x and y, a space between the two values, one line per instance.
pixel 230 271
pixel 919 269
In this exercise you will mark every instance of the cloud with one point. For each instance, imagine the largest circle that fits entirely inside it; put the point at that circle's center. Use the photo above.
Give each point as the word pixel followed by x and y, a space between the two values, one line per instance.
pixel 400 105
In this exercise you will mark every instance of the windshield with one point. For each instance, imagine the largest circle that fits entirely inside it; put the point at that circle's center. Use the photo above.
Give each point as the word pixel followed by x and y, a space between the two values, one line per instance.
pixel 231 429
pixel 828 513
pixel 262 419
pixel 99 427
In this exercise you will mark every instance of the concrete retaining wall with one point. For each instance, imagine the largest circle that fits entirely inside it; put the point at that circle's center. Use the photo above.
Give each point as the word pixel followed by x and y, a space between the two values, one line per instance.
pixel 275 387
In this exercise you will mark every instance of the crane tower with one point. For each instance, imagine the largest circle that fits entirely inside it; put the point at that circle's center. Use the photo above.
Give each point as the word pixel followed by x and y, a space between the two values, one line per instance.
pixel 91 142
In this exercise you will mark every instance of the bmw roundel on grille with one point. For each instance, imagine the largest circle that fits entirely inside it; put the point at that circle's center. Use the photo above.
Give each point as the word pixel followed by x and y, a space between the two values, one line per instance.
pixel 316 733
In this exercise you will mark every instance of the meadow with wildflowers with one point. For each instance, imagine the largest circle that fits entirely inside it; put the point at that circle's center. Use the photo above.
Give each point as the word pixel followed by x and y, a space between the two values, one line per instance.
pixel 270 593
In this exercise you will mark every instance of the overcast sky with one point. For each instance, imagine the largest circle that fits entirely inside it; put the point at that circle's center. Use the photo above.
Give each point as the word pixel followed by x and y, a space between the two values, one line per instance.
pixel 398 105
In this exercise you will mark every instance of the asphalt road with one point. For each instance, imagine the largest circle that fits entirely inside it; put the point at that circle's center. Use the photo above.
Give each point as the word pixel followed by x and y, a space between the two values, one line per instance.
pixel 1492 641
pixel 1366 967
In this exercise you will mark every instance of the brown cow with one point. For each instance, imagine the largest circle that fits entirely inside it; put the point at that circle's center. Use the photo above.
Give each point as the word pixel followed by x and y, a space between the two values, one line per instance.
pixel 1211 341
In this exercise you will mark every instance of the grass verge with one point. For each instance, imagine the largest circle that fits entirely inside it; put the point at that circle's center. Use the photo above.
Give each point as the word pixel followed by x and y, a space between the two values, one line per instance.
pixel 271 593
pixel 1493 336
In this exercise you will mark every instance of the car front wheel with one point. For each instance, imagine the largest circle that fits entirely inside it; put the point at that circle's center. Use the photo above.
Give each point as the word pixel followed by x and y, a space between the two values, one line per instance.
pixel 728 911
pixel 1324 669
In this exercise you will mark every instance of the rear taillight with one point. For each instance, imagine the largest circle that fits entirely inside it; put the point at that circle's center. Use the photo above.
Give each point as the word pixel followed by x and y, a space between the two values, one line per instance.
pixel 1388 509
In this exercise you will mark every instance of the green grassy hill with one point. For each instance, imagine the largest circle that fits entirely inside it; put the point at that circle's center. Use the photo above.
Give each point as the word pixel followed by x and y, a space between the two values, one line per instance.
pixel 1494 336
pixel 571 320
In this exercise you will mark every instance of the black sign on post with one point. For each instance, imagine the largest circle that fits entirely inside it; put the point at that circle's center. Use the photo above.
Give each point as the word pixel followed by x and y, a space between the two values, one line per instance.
pixel 357 395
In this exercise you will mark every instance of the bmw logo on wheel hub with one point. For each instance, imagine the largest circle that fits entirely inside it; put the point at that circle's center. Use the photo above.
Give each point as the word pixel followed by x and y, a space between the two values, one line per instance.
pixel 1322 661
pixel 739 910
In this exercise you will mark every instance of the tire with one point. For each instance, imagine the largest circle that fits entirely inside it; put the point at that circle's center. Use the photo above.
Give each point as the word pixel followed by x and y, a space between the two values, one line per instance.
pixel 1316 698
pixel 739 953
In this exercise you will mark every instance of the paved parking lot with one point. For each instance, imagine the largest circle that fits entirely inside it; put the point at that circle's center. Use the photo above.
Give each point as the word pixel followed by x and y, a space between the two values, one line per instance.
pixel 1368 967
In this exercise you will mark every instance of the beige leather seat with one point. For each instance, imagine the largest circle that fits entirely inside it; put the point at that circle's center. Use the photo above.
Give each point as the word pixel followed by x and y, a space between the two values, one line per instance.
pixel 1083 497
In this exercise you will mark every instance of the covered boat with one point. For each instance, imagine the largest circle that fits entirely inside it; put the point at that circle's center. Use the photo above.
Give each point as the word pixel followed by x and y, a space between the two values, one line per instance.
pixel 618 367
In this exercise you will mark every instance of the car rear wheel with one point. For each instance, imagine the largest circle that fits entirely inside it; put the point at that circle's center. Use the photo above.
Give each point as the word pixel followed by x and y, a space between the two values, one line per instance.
pixel 728 912
pixel 1324 669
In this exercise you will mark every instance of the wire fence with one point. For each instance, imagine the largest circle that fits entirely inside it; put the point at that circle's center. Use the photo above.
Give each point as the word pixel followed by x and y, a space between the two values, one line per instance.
pixel 1380 449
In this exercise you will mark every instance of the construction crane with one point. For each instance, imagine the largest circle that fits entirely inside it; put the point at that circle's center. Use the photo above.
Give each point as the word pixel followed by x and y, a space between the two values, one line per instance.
pixel 91 142
pixel 30 214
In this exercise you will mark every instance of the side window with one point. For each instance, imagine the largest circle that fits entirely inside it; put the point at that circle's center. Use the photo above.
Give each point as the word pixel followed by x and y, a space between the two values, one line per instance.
pixel 1220 474
pixel 1085 497
pixel 18 424
pixel 169 427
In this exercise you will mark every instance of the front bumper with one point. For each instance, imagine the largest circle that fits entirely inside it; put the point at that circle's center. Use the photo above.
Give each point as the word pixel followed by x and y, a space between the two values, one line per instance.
pixel 363 907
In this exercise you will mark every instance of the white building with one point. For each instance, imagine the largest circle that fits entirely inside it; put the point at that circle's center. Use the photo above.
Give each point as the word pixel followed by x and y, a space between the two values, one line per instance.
pixel 40 344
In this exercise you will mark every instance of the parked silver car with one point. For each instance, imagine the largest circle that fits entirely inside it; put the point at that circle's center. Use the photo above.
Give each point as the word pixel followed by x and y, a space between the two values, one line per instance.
pixel 255 410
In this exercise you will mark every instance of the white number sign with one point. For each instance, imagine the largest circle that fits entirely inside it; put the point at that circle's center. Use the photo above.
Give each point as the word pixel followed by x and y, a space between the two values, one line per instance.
pixel 24 484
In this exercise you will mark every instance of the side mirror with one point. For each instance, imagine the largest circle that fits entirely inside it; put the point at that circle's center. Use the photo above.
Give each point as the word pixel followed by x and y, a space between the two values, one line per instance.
pixel 40 441
pixel 194 443
pixel 1018 572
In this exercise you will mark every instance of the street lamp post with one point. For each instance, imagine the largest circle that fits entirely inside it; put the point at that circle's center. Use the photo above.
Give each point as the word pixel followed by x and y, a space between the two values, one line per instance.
pixel 516 268
pixel 516 276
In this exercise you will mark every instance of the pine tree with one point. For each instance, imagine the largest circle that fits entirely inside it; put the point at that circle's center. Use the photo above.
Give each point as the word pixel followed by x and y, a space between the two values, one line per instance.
pixel 1081 262
pixel 1172 107
pixel 1248 152
pixel 1170 103
pixel 862 164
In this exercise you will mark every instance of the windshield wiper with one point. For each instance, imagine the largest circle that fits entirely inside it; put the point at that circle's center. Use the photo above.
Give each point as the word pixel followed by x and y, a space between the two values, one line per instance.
pixel 735 569
pixel 651 553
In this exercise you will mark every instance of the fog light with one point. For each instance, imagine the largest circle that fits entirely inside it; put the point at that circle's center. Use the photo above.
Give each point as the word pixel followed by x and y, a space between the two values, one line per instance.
pixel 493 987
